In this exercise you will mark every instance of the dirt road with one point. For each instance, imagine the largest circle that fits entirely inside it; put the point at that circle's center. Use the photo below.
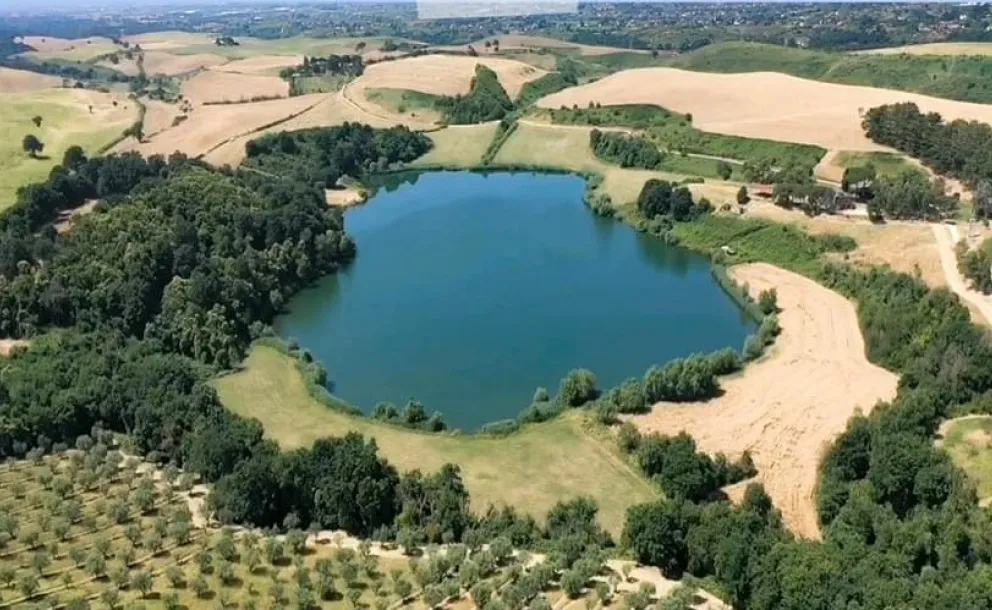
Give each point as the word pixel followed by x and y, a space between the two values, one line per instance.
pixel 947 236
pixel 787 408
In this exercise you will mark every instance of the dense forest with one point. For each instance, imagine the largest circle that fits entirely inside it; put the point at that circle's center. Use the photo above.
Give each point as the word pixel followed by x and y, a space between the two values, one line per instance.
pixel 959 148
pixel 338 65
pixel 486 100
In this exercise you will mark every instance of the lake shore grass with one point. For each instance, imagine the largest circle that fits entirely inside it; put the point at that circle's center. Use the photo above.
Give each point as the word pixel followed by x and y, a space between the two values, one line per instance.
pixel 531 469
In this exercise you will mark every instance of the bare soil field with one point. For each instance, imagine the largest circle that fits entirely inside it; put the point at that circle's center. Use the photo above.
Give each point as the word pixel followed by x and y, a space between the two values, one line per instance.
pixel 77 48
pixel 934 48
pixel 159 116
pixel 209 127
pixel 443 74
pixel 212 86
pixel 18 81
pixel 159 62
pixel 787 408
pixel 509 42
pixel 168 40
pixel 760 104
pixel 262 65
pixel 344 197
pixel 326 110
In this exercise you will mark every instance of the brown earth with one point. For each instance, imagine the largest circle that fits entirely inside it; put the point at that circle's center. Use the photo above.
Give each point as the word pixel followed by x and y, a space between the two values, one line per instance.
pixel 443 74
pixel 17 81
pixel 760 104
pixel 213 86
pixel 263 64
pixel 158 62
pixel 787 408
pixel 159 116
pixel 209 127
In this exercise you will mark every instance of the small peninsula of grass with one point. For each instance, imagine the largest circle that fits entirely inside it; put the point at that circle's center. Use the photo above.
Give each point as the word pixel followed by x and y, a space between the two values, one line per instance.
pixel 531 469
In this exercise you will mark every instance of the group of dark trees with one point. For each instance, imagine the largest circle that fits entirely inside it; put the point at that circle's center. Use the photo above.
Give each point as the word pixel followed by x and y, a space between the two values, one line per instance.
pixel 682 471
pixel 958 148
pixel 321 156
pixel 413 415
pixel 976 265
pixel 910 194
pixel 341 65
pixel 486 100
pixel 663 198
pixel 625 150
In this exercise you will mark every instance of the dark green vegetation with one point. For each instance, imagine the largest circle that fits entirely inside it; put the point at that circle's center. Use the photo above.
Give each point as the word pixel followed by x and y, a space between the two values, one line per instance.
pixel 976 265
pixel 674 132
pixel 682 471
pixel 956 149
pixel 427 241
pixel 544 86
pixel 966 78
pixel 322 73
pixel 624 150
pixel 485 101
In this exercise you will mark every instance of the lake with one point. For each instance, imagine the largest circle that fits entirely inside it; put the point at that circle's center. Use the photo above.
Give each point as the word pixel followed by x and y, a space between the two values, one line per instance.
pixel 470 290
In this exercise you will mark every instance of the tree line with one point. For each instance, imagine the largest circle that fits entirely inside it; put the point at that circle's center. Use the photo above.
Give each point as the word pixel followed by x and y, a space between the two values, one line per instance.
pixel 957 148
pixel 625 150
pixel 335 65
pixel 486 100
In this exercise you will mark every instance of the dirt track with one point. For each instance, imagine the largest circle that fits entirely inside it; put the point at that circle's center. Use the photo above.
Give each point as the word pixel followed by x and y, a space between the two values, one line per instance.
pixel 787 408
pixel 760 104
pixel 947 237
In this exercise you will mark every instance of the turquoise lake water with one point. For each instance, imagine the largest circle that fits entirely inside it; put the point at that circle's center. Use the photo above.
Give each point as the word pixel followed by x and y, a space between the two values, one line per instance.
pixel 469 291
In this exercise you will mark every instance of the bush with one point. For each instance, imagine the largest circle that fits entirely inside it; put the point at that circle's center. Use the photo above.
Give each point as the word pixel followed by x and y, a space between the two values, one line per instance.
pixel 577 388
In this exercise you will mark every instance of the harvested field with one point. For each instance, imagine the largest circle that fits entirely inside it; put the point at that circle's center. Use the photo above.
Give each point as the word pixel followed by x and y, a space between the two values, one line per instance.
pixel 443 74
pixel 262 65
pixel 326 110
pixel 458 145
pixel 934 48
pixel 78 49
pixel 209 127
pixel 159 116
pixel 789 407
pixel 761 104
pixel 531 469
pixel 157 62
pixel 169 40
pixel 18 81
pixel 211 86
pixel 69 116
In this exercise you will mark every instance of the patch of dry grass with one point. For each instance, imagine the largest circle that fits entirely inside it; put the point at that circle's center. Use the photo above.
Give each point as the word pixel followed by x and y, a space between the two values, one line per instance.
pixel 531 469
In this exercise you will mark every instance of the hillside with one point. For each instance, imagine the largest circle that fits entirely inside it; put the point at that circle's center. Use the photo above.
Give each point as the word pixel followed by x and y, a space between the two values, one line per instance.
pixel 956 78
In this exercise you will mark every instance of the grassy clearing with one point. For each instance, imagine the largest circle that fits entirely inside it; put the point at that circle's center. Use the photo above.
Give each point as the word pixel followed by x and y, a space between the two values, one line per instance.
pixel 967 441
pixel 403 101
pixel 674 131
pixel 458 146
pixel 957 78
pixel 66 120
pixel 531 469
pixel 886 164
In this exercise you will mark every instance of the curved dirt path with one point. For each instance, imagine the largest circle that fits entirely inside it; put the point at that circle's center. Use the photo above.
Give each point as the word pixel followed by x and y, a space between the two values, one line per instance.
pixel 947 236
pixel 787 408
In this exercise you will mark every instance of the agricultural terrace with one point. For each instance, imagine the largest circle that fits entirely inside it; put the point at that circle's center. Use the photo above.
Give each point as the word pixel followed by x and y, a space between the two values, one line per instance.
pixel 530 470
pixel 67 117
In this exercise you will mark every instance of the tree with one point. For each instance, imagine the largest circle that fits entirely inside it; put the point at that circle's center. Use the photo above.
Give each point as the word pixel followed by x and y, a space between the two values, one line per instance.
pixel 724 170
pixel 96 564
pixel 111 597
pixel 481 593
pixel 573 582
pixel 32 145
pixel 28 584
pixel 742 197
pixel 577 388
pixel 655 532
pixel 142 581
pixel 199 586
pixel 36 120
pixel 768 301
pixel 402 588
